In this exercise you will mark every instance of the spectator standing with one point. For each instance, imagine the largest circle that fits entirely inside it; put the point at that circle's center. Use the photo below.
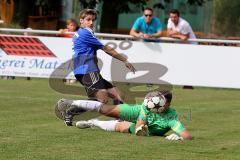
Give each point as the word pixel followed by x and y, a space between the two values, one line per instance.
pixel 147 26
pixel 179 28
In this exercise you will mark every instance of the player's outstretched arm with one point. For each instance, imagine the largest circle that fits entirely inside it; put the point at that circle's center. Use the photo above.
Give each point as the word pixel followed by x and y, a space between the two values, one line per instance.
pixel 112 52
pixel 181 132
pixel 185 135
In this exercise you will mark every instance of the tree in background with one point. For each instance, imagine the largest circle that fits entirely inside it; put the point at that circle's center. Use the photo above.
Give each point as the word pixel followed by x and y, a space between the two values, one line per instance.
pixel 227 17
pixel 111 9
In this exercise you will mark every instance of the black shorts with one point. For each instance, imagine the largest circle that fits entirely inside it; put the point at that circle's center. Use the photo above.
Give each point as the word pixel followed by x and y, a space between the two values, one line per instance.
pixel 93 82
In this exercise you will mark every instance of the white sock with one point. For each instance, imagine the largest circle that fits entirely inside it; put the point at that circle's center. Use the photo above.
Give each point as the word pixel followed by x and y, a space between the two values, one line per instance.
pixel 88 105
pixel 105 125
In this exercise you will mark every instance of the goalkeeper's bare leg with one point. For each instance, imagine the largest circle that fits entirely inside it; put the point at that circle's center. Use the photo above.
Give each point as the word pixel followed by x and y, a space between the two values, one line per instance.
pixel 110 125
pixel 67 109
pixel 113 125
pixel 107 110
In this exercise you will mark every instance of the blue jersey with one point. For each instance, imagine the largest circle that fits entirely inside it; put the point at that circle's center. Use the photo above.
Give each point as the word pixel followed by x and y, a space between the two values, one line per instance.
pixel 85 46
pixel 141 26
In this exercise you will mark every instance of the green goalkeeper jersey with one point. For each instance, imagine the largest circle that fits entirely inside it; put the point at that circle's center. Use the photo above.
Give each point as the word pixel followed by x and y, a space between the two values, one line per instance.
pixel 158 123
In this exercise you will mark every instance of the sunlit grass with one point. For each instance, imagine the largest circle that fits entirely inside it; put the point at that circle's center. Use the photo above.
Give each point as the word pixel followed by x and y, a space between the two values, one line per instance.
pixel 30 130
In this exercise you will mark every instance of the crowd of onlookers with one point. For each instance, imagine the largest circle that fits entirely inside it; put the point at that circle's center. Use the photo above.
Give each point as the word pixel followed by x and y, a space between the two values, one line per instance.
pixel 149 27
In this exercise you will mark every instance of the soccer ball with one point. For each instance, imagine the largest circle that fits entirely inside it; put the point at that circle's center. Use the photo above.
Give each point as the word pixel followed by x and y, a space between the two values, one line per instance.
pixel 155 101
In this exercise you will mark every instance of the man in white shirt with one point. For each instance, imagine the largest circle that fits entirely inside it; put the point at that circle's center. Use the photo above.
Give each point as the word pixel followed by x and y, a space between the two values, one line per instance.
pixel 179 28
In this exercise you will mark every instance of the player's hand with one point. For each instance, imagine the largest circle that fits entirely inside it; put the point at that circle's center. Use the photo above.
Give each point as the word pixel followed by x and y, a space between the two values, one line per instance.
pixel 142 130
pixel 130 66
pixel 174 137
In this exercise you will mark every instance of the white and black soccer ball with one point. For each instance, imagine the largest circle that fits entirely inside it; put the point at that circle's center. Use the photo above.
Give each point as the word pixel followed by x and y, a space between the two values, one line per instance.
pixel 152 102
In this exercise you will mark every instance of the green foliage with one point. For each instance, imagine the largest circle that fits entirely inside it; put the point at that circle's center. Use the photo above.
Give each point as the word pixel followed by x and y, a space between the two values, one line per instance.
pixel 118 6
pixel 197 2
pixel 227 16
pixel 111 9
pixel 29 129
pixel 88 4
pixel 190 2
pixel 122 6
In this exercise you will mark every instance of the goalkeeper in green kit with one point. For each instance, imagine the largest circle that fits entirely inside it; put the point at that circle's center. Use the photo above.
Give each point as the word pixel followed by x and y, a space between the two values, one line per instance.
pixel 154 117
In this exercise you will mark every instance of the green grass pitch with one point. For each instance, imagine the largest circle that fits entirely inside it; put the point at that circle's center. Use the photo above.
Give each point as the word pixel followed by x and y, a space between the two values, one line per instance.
pixel 29 129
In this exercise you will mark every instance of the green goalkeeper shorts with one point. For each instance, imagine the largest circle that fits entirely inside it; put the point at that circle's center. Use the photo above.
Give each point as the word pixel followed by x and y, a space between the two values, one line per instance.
pixel 129 113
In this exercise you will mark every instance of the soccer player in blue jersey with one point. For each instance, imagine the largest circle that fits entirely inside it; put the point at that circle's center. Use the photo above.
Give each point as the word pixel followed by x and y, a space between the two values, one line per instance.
pixel 86 71
pixel 142 119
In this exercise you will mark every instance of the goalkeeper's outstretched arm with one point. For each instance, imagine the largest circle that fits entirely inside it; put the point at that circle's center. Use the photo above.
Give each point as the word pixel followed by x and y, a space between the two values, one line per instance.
pixel 185 135
pixel 181 132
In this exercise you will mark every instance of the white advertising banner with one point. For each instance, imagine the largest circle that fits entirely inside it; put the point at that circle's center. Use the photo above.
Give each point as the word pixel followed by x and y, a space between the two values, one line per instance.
pixel 177 64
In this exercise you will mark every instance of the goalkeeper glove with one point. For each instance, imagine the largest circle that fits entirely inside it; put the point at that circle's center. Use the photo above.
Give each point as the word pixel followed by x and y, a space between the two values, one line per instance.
pixel 142 130
pixel 174 137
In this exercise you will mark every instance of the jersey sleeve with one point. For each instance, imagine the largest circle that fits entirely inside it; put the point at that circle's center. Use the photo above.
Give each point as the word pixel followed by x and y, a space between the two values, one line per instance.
pixel 176 126
pixel 143 114
pixel 136 24
pixel 158 25
pixel 186 29
pixel 169 25
pixel 89 38
pixel 173 121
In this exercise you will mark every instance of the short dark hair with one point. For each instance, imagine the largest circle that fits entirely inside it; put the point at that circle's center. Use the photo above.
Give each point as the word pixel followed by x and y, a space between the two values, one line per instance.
pixel 148 8
pixel 167 95
pixel 84 13
pixel 175 11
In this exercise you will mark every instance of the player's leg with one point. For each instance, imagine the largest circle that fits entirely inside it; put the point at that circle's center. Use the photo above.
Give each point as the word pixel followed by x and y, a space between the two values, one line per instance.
pixel 97 87
pixel 94 86
pixel 109 125
pixel 112 91
pixel 110 111
pixel 107 110
pixel 123 127
pixel 64 110
pixel 114 125
pixel 123 111
pixel 69 108
pixel 101 95
pixel 116 95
